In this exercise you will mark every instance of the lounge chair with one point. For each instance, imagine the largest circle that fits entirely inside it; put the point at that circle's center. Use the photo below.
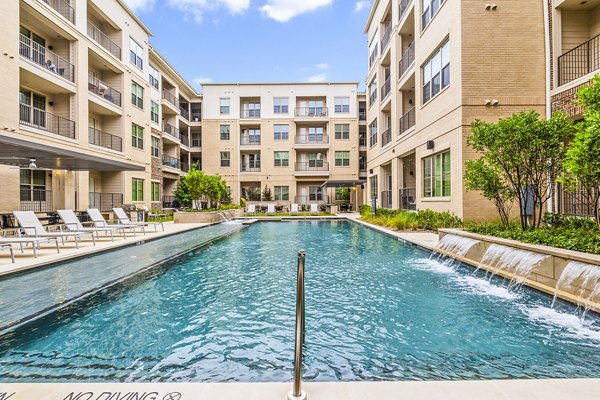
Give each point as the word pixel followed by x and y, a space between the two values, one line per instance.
pixel 314 208
pixel 73 224
pixel 251 209
pixel 10 249
pixel 33 228
pixel 152 215
pixel 124 220
pixel 271 209
pixel 99 222
pixel 294 209
pixel 35 244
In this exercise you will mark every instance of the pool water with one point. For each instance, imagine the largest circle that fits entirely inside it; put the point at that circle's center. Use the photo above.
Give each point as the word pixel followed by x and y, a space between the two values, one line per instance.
pixel 376 310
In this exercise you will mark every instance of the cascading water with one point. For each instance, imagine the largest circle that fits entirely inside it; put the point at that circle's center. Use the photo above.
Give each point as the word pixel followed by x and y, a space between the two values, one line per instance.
pixel 457 245
pixel 583 280
pixel 519 263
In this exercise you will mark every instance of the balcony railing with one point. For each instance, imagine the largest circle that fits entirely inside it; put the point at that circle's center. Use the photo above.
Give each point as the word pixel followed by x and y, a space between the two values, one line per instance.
pixel 387 35
pixel 185 167
pixel 196 116
pixel 105 201
pixel 45 58
pixel 373 56
pixel 577 202
pixel 312 112
pixel 249 140
pixel 580 61
pixel 170 97
pixel 184 113
pixel 385 90
pixel 386 136
pixel 250 167
pixel 407 121
pixel 103 40
pixel 317 138
pixel 362 116
pixel 386 199
pixel 249 113
pixel 408 199
pixel 185 140
pixel 101 89
pixel 362 164
pixel 171 130
pixel 314 165
pixel 362 139
pixel 408 58
pixel 402 7
pixel 373 97
pixel 172 162
pixel 40 119
pixel 103 139
pixel 37 200
pixel 312 198
pixel 63 8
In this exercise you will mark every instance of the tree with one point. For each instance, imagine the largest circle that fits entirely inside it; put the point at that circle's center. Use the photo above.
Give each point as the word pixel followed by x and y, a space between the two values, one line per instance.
pixel 182 193
pixel 266 194
pixel 196 181
pixel 526 154
pixel 583 156
pixel 481 176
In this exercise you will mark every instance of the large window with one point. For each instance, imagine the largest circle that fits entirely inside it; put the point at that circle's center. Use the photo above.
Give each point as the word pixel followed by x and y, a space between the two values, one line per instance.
pixel 137 136
pixel 154 112
pixel 224 106
pixel 282 158
pixel 282 193
pixel 342 158
pixel 137 189
pixel 33 185
pixel 430 8
pixel 436 175
pixel 225 159
pixel 280 105
pixel 281 132
pixel 154 76
pixel 342 104
pixel 373 133
pixel 225 132
pixel 137 95
pixel 342 131
pixel 136 54
pixel 436 72
pixel 155 194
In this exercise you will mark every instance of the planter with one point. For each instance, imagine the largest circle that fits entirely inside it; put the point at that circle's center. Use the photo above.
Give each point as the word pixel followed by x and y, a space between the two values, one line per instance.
pixel 206 217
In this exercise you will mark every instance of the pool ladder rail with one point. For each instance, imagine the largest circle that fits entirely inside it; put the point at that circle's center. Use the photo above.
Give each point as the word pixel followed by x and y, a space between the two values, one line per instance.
pixel 297 393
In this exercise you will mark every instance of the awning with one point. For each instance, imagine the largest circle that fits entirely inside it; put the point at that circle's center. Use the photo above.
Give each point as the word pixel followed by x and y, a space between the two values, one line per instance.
pixel 334 183
pixel 15 151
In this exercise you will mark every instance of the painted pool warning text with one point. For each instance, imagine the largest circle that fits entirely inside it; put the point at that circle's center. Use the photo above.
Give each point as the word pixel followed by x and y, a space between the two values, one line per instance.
pixel 121 396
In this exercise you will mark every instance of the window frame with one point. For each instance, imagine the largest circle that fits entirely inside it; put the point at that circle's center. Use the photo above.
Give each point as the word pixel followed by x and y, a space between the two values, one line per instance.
pixel 341 161
pixel 155 150
pixel 225 158
pixel 222 106
pixel 154 116
pixel 373 133
pixel 344 107
pixel 137 136
pixel 137 189
pixel 279 108
pixel 222 132
pixel 155 186
pixel 134 57
pixel 152 79
pixel 428 74
pixel 437 183
pixel 137 94
pixel 281 133
pixel 279 161
pixel 342 132
pixel 281 193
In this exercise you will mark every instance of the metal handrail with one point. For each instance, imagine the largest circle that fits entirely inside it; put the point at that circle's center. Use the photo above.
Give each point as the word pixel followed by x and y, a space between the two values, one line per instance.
pixel 579 61
pixel 63 8
pixel 46 58
pixel 297 393
pixel 103 90
pixel 103 40
pixel 408 59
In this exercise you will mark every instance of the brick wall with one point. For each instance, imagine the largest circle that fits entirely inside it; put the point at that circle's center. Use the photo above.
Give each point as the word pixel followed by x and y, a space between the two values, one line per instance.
pixel 565 101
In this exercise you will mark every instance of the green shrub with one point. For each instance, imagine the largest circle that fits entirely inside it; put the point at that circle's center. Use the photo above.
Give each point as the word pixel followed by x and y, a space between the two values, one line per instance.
pixel 432 220
pixel 411 220
pixel 556 220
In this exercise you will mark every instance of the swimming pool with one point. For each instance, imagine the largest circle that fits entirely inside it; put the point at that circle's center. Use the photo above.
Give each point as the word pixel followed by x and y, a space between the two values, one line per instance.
pixel 376 310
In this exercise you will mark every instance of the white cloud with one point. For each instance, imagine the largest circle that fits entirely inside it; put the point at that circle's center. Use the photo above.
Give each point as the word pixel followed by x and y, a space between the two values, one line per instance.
pixel 202 80
pixel 361 5
pixel 285 10
pixel 322 66
pixel 317 78
pixel 195 9
pixel 141 5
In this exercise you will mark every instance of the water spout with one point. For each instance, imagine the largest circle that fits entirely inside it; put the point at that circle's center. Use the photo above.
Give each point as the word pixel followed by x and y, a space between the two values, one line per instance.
pixel 458 245
pixel 519 263
pixel 582 280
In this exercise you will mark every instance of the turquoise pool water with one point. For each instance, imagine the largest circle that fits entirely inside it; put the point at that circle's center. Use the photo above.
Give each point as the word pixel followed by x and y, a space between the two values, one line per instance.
pixel 376 310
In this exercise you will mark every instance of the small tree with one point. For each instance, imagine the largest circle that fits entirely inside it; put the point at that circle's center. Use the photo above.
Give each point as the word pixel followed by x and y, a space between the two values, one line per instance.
pixel 196 182
pixel 266 194
pixel 182 193
pixel 227 198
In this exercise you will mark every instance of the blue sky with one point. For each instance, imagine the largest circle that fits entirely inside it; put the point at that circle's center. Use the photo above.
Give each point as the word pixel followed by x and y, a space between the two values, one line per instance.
pixel 259 40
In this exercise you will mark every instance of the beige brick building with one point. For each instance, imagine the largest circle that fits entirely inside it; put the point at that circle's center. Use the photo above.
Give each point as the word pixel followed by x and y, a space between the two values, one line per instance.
pixel 435 66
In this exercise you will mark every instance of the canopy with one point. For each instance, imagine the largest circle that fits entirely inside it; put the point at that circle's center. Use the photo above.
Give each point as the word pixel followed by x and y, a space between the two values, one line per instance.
pixel 334 183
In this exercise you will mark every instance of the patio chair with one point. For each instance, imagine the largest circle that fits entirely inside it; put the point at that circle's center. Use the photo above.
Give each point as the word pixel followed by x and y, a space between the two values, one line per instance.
pixel 73 224
pixel 10 249
pixel 152 215
pixel 251 209
pixel 124 220
pixel 32 227
pixel 271 209
pixel 35 244
pixel 294 209
pixel 314 208
pixel 99 222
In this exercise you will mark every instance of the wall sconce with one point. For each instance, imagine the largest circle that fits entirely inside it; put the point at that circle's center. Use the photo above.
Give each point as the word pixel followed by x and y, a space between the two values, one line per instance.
pixel 50 103
pixel 430 145
pixel 410 101
pixel 411 173
pixel 494 102
pixel 488 102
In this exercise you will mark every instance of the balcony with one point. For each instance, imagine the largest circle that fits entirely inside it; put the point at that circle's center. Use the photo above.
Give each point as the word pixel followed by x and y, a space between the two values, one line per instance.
pixel 386 199
pixel 373 97
pixel 63 8
pixel 171 130
pixel 407 60
pixel 387 35
pixel 312 112
pixel 103 139
pixel 250 140
pixel 43 120
pixel 312 166
pixel 250 113
pixel 386 136
pixel 103 40
pixel 36 200
pixel 362 139
pixel 580 61
pixel 185 167
pixel 196 116
pixel 101 89
pixel 185 114
pixel 387 87
pixel 46 59
pixel 185 140
pixel 403 7
pixel 106 201
pixel 362 116
pixel 408 199
pixel 171 98
pixel 407 121
pixel 250 167
pixel 316 138
pixel 171 162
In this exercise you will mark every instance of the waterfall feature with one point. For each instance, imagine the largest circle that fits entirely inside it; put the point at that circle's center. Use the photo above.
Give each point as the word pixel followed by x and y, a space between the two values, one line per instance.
pixel 457 245
pixel 582 280
pixel 520 263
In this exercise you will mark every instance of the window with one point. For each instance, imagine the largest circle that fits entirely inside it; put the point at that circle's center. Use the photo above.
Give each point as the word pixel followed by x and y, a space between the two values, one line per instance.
pixel 224 132
pixel 373 50
pixel 374 184
pixel 372 92
pixel 224 106
pixel 281 132
pixel 136 54
pixel 251 110
pixel 155 193
pixel 312 134
pixel 342 158
pixel 436 175
pixel 436 73
pixel 315 193
pixel 342 104
pixel 250 136
pixel 153 78
pixel 155 147
pixel 196 140
pixel 154 112
pixel 280 105
pixel 430 8
pixel 33 185
pixel 282 193
pixel 137 189
pixel 137 95
pixel 282 159
pixel 342 131
pixel 137 136
pixel 373 133
pixel 225 159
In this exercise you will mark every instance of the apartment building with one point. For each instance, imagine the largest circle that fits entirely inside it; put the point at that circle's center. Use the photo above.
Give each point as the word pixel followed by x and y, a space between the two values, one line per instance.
pixel 300 140
pixel 573 40
pixel 435 66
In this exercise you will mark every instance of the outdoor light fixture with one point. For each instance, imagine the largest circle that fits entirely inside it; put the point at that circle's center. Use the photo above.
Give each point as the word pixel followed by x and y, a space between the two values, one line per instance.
pixel 430 145
pixel 32 164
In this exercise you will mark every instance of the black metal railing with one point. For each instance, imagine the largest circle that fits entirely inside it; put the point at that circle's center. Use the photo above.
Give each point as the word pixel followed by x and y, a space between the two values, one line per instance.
pixel 249 140
pixel 46 58
pixel 373 56
pixel 312 198
pixel 184 113
pixel 40 119
pixel 169 202
pixel 103 40
pixel 106 201
pixel 362 116
pixel 170 97
pixel 408 120
pixel 250 167
pixel 185 140
pixel 171 130
pixel 362 139
pixel 387 35
pixel 386 136
pixel 373 97
pixel 103 139
pixel 386 88
pixel 249 113
pixel 408 198
pixel 317 138
pixel 402 7
pixel 37 200
pixel 172 162
pixel 314 165
pixel 579 61
pixel 312 112
pixel 576 202
pixel 408 59
pixel 63 8
pixel 386 199
pixel 103 90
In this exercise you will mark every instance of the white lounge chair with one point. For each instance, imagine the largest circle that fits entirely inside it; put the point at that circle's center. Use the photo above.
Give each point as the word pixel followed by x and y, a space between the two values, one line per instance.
pixel 271 209
pixel 152 215
pixel 251 209
pixel 99 222
pixel 32 227
pixel 314 208
pixel 73 224
pixel 10 249
pixel 294 209
pixel 35 244
pixel 125 220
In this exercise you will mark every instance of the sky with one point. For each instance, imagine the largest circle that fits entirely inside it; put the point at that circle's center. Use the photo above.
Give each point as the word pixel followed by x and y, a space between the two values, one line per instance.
pixel 260 40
